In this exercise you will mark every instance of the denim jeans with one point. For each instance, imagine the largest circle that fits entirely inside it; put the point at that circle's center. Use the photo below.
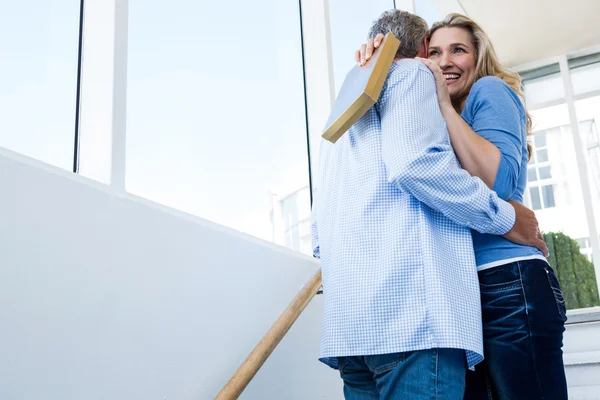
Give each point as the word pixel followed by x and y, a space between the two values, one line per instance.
pixel 523 323
pixel 426 374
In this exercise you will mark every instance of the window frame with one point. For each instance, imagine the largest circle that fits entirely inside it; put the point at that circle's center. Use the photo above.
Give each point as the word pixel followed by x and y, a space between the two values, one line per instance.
pixel 547 67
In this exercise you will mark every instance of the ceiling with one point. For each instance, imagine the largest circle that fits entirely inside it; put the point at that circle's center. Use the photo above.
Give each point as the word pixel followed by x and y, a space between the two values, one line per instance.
pixel 525 31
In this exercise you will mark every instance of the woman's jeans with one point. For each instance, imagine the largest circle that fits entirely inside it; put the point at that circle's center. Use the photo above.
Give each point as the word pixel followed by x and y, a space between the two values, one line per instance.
pixel 523 323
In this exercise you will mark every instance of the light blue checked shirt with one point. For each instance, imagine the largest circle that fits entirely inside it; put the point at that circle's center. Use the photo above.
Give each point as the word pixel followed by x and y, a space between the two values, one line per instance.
pixel 391 219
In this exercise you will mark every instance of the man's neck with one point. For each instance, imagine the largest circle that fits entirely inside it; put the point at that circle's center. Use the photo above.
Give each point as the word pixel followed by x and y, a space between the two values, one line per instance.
pixel 403 58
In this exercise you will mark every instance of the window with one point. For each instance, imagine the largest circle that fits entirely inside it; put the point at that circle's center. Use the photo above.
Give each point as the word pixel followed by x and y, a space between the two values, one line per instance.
pixel 542 155
pixel 548 195
pixel 584 243
pixel 545 172
pixel 539 174
pixel 588 114
pixel 216 123
pixel 586 78
pixel 544 89
pixel 532 174
pixel 38 77
pixel 555 188
pixel 291 219
pixel 585 247
pixel 536 202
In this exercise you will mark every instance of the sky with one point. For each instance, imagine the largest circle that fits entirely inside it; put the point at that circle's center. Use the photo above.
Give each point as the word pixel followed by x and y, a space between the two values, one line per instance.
pixel 38 76
pixel 215 106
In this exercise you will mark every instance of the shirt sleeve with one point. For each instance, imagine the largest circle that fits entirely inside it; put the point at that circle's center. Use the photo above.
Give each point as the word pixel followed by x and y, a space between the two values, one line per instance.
pixel 419 159
pixel 497 115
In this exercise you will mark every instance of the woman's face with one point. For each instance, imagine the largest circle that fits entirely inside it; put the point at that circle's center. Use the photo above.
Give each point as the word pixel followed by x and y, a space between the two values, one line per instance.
pixel 453 50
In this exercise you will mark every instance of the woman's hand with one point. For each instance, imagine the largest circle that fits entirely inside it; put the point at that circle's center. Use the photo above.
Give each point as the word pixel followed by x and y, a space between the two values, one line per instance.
pixel 476 155
pixel 440 82
pixel 366 50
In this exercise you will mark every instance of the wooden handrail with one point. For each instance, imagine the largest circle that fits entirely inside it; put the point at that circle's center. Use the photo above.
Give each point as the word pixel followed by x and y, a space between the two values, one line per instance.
pixel 242 377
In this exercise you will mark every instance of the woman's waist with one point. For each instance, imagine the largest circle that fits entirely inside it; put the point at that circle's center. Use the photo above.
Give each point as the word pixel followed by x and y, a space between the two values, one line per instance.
pixel 493 248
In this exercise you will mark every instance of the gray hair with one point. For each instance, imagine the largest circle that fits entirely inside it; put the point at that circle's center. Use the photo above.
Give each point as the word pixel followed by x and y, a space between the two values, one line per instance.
pixel 410 29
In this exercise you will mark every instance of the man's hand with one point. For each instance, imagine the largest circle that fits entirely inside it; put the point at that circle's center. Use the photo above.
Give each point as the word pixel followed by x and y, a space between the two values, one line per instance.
pixel 526 229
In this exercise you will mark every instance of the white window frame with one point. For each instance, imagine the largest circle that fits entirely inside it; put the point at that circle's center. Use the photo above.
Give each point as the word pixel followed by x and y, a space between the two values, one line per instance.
pixel 580 156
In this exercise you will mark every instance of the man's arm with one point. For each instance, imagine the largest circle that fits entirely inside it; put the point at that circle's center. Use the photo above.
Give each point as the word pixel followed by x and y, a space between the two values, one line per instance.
pixel 419 158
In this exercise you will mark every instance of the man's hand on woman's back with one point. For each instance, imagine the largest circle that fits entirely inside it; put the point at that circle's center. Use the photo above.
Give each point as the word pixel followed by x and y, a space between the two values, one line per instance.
pixel 526 230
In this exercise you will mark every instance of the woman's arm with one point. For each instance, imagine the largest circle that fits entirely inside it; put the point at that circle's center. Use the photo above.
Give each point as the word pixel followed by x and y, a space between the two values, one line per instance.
pixel 477 155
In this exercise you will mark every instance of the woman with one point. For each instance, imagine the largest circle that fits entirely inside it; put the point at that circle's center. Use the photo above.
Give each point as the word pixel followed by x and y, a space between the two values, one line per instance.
pixel 522 305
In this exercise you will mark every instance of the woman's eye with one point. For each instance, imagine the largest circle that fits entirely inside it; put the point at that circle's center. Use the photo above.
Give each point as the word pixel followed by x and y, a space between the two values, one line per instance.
pixel 433 53
pixel 459 50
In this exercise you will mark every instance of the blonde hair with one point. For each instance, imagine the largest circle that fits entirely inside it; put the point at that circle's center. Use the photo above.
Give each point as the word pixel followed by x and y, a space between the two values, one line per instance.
pixel 487 60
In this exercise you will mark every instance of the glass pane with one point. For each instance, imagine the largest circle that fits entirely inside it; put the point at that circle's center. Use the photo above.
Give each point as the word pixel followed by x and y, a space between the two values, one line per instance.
pixel 548 195
pixel 350 23
pixel 542 155
pixel 540 139
pixel 304 228
pixel 531 174
pixel 549 118
pixel 536 203
pixel 306 245
pixel 545 173
pixel 216 122
pixel 586 79
pixel 296 217
pixel 588 114
pixel 590 135
pixel 545 89
pixel 38 78
pixel 583 243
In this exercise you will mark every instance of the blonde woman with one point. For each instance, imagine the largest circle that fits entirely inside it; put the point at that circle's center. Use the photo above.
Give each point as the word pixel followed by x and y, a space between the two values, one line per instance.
pixel 522 305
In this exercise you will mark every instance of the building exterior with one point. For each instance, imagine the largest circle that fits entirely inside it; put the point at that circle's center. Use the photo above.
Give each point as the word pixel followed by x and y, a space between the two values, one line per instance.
pixel 554 189
pixel 291 219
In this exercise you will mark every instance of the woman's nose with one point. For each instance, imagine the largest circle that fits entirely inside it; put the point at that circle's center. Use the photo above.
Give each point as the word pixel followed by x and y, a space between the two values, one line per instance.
pixel 445 61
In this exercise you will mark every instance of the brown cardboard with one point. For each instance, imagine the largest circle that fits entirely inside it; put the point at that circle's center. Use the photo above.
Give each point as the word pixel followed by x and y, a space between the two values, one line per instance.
pixel 361 89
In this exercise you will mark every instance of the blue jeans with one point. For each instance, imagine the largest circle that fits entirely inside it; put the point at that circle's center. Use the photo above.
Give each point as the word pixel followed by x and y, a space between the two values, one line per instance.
pixel 523 323
pixel 426 374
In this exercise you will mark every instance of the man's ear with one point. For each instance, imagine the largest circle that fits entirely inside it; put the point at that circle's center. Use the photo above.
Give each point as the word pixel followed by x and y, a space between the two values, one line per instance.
pixel 424 50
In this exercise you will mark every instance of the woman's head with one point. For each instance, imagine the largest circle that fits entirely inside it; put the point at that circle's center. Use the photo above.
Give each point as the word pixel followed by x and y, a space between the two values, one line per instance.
pixel 459 40
pixel 465 54
pixel 454 50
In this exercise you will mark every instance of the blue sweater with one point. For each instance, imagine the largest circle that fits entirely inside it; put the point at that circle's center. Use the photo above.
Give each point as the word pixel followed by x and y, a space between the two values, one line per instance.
pixel 495 112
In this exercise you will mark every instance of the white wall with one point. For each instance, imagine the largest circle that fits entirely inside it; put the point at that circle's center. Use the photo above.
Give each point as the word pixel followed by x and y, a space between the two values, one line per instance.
pixel 108 296
pixel 582 354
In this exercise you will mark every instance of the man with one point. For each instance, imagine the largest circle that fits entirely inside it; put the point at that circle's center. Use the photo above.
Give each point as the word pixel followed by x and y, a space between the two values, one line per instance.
pixel 391 225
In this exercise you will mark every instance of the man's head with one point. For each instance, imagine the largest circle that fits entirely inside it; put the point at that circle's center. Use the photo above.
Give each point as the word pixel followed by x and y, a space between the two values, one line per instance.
pixel 410 29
